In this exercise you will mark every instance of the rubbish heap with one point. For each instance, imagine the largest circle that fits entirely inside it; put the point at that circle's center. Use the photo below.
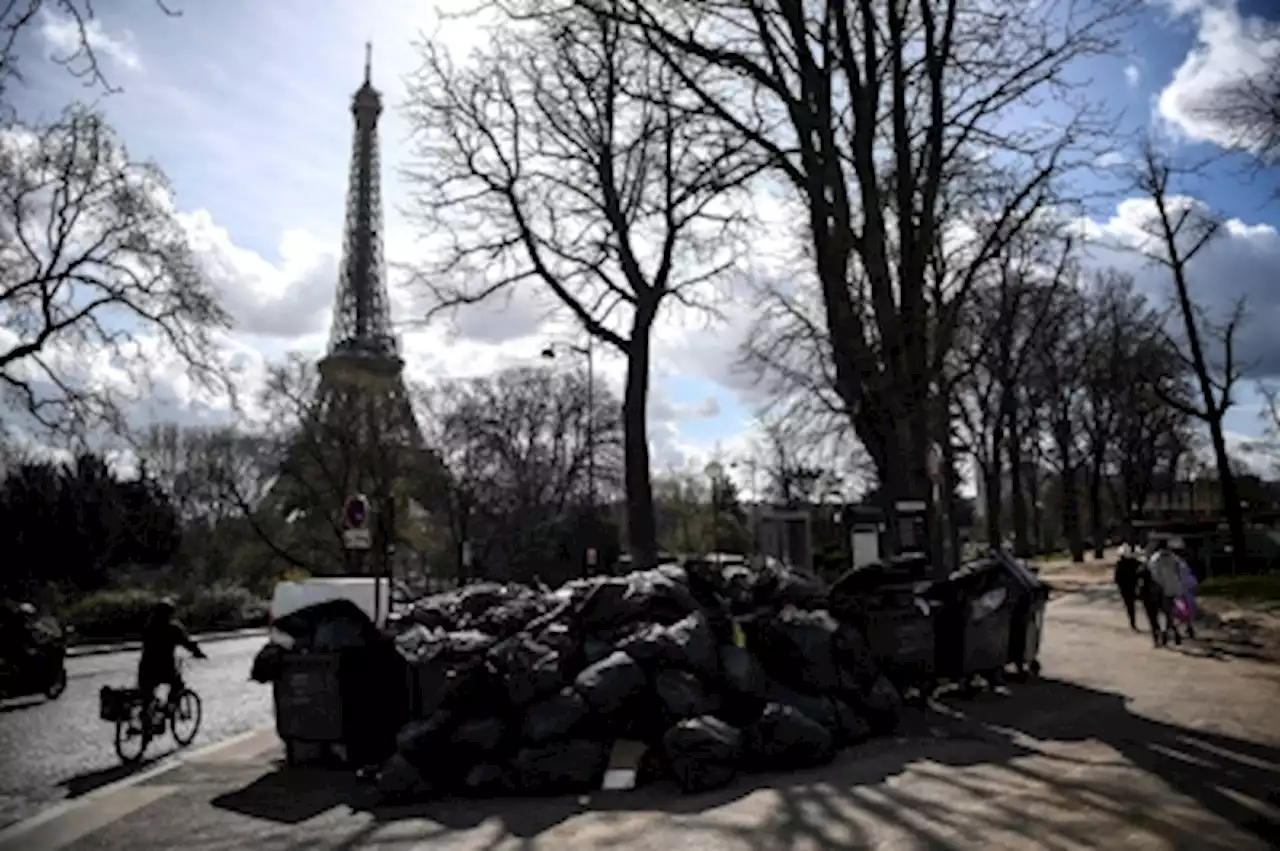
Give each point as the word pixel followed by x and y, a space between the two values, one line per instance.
pixel 517 690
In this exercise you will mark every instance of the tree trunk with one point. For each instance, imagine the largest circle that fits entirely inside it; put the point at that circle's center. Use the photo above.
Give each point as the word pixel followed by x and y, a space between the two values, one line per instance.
pixel 1037 515
pixel 1017 494
pixel 994 480
pixel 1230 497
pixel 1099 531
pixel 642 530
pixel 1070 497
pixel 950 486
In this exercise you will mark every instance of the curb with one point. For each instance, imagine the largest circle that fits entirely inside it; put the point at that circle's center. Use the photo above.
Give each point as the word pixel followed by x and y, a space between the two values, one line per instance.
pixel 124 646
pixel 19 835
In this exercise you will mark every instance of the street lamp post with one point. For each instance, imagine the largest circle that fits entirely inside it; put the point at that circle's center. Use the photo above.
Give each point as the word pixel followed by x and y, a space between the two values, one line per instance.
pixel 586 351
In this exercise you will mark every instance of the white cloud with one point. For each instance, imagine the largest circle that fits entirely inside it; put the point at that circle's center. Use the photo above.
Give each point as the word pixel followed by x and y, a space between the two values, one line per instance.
pixel 1132 75
pixel 1229 47
pixel 63 36
pixel 1239 263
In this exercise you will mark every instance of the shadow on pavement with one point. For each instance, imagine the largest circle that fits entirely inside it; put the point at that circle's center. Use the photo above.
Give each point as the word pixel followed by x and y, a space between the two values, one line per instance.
pixel 83 784
pixel 292 796
pixel 1221 773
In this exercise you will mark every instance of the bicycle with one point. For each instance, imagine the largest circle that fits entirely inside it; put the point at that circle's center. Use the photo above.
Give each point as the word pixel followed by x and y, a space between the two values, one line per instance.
pixel 180 713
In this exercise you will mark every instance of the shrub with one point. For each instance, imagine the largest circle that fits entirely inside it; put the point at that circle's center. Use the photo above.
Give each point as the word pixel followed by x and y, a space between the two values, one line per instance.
pixel 223 607
pixel 122 615
pixel 111 615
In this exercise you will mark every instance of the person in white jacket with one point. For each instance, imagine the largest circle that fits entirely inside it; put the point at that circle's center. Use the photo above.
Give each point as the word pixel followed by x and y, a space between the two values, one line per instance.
pixel 1166 573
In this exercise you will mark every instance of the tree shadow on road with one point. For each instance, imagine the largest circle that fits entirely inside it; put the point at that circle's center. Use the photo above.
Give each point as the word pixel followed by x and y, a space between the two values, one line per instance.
pixel 1054 759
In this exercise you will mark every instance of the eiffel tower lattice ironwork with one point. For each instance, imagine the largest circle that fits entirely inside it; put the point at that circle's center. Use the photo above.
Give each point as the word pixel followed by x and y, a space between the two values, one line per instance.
pixel 361 407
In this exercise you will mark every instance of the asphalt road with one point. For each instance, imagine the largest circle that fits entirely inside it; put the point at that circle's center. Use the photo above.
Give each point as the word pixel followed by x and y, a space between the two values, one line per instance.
pixel 53 750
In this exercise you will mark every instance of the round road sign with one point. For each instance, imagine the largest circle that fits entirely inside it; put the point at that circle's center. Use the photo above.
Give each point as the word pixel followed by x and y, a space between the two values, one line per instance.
pixel 356 511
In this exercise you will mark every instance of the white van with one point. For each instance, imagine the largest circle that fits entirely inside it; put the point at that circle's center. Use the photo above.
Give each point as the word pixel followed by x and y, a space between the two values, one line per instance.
pixel 291 596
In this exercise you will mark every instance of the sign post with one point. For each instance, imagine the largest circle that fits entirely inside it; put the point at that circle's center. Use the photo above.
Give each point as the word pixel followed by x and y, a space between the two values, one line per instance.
pixel 355 517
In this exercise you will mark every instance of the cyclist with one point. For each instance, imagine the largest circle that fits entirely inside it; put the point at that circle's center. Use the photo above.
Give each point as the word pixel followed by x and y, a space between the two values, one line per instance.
pixel 160 641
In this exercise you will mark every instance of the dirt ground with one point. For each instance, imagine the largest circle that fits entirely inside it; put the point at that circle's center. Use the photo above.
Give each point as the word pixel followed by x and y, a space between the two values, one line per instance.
pixel 1232 626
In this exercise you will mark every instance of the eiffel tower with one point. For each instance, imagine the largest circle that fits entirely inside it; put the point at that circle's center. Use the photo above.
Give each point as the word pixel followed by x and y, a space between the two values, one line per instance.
pixel 359 433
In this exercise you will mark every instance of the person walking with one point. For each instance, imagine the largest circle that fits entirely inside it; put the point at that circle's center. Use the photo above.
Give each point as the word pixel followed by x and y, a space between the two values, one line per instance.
pixel 1126 578
pixel 1166 578
pixel 1189 585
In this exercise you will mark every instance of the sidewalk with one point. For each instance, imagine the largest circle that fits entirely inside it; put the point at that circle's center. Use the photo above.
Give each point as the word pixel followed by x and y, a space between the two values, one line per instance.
pixel 1120 746
pixel 125 646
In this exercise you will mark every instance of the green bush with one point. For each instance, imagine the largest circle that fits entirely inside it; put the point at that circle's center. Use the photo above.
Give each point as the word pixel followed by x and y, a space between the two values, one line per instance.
pixel 222 607
pixel 111 615
pixel 122 615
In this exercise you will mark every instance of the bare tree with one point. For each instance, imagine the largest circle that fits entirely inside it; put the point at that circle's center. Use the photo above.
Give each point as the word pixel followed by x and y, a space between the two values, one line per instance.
pixel 93 264
pixel 564 159
pixel 870 112
pixel 1179 229
pixel 82 61
pixel 1012 306
pixel 517 449
pixel 1249 105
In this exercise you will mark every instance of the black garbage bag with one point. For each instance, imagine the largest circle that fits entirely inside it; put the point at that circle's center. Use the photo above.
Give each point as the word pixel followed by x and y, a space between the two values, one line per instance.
pixel 331 625
pixel 741 672
pixel 488 779
pixel 745 685
pixel 783 737
pixel 475 600
pixel 660 595
pixel 560 637
pixel 816 707
pixel 854 727
pixel 480 736
pixel 432 613
pixel 682 695
pixel 649 645
pixel 422 742
pixel 268 664
pixel 797 647
pixel 564 766
pixel 692 646
pixel 400 782
pixel 777 585
pixel 702 753
pixel 609 684
pixel 882 705
pixel 595 650
pixel 606 603
pixel 555 717
pixel 509 618
pixel 528 671
pixel 856 668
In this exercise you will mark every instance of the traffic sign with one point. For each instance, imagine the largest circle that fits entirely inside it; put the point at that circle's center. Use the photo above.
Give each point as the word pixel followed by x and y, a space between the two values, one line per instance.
pixel 355 513
pixel 357 539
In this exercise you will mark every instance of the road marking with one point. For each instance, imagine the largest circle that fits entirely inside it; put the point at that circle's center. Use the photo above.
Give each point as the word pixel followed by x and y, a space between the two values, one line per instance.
pixel 86 807
pixel 58 833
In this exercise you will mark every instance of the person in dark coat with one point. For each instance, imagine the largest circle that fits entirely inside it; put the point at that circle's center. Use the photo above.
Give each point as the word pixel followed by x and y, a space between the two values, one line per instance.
pixel 161 639
pixel 1126 576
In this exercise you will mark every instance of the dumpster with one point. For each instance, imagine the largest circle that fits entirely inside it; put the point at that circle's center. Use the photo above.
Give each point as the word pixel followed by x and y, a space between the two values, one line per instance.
pixel 975 622
pixel 308 702
pixel 1028 616
pixel 899 624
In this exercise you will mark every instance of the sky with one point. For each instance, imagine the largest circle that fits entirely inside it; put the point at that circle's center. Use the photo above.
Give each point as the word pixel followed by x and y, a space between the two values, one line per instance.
pixel 244 104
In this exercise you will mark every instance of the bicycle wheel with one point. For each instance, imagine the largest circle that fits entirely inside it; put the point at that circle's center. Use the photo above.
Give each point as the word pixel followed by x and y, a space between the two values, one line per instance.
pixel 184 717
pixel 132 733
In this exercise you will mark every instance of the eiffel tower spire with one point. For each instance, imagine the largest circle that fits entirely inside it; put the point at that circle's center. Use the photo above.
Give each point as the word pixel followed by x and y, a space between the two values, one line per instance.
pixel 359 433
pixel 362 316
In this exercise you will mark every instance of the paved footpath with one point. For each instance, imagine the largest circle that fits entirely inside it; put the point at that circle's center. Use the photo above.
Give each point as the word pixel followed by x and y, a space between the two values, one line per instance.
pixel 1119 746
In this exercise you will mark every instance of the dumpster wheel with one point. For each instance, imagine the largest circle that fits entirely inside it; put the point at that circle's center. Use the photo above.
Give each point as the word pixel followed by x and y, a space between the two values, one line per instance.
pixel 1034 667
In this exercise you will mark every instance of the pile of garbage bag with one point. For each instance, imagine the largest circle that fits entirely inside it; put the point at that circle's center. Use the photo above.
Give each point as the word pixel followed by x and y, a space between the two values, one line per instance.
pixel 520 690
